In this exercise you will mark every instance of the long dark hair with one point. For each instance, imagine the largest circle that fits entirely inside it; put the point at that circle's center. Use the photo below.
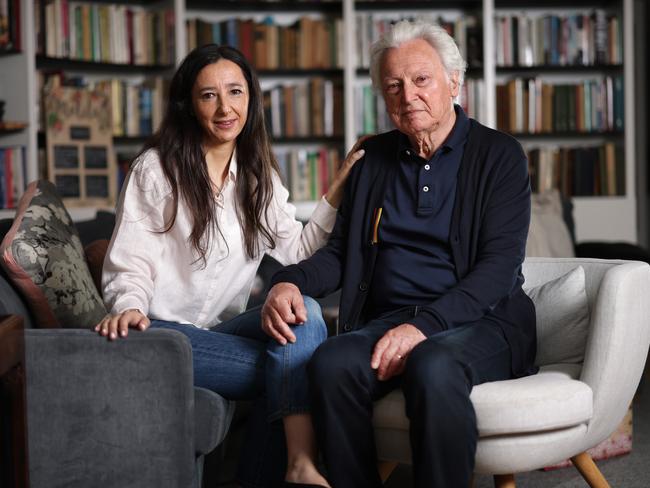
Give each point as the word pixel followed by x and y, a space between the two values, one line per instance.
pixel 179 145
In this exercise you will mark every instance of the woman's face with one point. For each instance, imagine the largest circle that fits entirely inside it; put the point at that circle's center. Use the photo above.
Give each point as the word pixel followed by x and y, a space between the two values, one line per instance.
pixel 220 101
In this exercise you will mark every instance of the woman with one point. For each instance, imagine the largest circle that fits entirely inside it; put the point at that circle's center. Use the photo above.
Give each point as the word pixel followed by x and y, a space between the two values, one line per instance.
pixel 203 202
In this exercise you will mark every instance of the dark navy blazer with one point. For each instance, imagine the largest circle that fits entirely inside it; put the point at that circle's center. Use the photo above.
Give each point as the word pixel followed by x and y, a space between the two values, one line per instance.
pixel 488 234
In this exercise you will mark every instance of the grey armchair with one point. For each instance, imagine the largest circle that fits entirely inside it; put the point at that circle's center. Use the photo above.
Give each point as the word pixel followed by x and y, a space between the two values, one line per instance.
pixel 119 414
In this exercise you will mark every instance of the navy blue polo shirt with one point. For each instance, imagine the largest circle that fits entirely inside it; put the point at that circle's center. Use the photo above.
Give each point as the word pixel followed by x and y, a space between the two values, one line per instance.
pixel 414 264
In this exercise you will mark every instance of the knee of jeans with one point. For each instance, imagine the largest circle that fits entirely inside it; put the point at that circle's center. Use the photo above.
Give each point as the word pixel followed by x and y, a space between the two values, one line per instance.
pixel 315 316
pixel 334 363
pixel 313 309
pixel 432 367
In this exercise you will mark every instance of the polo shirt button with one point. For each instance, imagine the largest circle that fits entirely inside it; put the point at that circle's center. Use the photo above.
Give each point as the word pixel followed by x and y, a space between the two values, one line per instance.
pixel 347 328
pixel 363 286
pixel 425 189
pixel 427 167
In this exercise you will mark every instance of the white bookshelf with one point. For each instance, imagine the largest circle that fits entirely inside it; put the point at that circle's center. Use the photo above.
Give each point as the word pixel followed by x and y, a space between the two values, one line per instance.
pixel 597 218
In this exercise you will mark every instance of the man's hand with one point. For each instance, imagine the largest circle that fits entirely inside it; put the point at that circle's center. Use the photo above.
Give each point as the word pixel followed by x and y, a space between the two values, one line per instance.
pixel 114 326
pixel 283 306
pixel 391 351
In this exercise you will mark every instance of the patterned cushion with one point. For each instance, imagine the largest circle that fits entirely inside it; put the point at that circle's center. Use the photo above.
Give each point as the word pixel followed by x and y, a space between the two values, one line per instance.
pixel 44 258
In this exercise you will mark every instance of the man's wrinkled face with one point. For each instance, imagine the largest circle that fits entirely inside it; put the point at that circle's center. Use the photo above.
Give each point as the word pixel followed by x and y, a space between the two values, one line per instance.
pixel 416 87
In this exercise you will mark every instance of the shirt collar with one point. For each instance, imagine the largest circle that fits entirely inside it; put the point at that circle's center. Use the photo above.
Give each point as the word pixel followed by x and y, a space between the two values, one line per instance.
pixel 455 139
pixel 458 134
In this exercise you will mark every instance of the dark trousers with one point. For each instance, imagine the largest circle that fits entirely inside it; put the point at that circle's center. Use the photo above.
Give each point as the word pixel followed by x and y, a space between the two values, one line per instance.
pixel 436 382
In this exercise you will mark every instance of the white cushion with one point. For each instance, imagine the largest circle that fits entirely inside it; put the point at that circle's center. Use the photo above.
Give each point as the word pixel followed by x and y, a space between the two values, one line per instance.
pixel 551 399
pixel 562 310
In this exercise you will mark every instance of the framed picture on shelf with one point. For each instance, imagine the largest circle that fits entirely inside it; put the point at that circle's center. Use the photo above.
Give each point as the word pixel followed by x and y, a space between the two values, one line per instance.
pixel 80 154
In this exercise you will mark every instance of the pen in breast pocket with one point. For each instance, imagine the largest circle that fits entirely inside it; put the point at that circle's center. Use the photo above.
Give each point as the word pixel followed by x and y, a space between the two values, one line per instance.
pixel 376 217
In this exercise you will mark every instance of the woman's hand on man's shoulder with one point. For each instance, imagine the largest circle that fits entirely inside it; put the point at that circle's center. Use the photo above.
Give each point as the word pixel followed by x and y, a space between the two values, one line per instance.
pixel 335 193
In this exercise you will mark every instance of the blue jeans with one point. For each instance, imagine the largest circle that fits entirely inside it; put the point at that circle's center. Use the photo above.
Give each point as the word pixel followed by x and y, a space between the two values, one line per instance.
pixel 237 360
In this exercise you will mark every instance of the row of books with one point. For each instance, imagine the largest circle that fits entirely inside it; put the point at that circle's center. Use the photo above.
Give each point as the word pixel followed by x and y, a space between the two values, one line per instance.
pixel 372 118
pixel 466 30
pixel 308 174
pixel 564 40
pixel 137 107
pixel 472 98
pixel 10 32
pixel 534 106
pixel 307 43
pixel 13 175
pixel 310 108
pixel 103 32
pixel 578 171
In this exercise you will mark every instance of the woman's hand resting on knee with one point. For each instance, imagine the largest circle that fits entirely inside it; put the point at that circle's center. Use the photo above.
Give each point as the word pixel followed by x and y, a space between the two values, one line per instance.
pixel 114 326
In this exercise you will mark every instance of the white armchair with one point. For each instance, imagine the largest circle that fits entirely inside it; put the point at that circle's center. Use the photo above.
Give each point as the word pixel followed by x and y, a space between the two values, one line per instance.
pixel 565 409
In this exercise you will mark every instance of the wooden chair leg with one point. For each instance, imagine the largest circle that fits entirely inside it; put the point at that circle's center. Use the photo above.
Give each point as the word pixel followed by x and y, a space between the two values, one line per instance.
pixel 385 469
pixel 589 471
pixel 504 481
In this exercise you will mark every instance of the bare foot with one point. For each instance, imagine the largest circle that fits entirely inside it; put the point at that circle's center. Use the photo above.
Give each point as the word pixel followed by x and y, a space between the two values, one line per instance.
pixel 305 474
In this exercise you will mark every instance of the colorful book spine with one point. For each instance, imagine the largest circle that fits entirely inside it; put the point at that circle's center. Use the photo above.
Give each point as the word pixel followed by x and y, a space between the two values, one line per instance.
pixel 108 33
pixel 306 44
pixel 588 106
pixel 574 39
pixel 13 175
pixel 308 174
pixel 578 171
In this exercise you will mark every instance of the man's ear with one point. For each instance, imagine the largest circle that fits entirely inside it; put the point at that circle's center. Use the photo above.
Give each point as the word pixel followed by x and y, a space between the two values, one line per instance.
pixel 454 85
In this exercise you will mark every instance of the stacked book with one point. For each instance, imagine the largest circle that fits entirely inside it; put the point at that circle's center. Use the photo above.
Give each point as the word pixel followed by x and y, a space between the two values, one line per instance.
pixel 559 40
pixel 13 175
pixel 305 109
pixel 137 107
pixel 466 30
pixel 308 43
pixel 370 111
pixel 102 32
pixel 308 174
pixel 533 106
pixel 578 171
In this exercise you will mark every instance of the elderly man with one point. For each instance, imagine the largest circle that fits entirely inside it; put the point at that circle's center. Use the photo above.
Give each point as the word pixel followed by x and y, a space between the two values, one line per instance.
pixel 427 248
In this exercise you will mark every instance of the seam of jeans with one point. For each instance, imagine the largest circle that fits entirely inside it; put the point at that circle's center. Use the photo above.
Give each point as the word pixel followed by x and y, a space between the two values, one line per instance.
pixel 286 378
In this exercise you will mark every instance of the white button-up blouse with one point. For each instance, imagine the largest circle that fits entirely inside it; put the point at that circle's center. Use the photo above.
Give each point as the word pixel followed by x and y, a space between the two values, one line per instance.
pixel 159 273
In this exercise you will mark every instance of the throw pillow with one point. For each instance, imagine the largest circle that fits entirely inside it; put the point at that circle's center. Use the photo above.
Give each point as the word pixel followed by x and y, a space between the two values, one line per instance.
pixel 44 258
pixel 562 318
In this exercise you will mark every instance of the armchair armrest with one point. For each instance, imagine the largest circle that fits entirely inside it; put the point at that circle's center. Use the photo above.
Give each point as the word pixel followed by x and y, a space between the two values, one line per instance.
pixel 617 346
pixel 213 415
pixel 113 413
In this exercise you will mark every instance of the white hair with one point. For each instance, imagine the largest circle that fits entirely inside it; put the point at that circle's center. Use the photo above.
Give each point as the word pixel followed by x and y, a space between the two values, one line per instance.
pixel 406 30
